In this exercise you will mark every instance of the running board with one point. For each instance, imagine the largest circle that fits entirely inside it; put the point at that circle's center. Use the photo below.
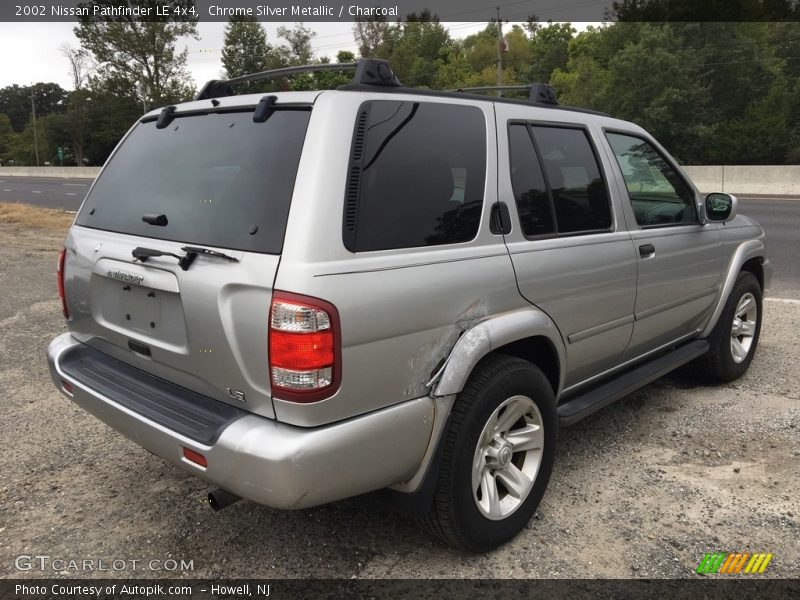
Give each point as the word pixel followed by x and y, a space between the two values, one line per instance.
pixel 586 403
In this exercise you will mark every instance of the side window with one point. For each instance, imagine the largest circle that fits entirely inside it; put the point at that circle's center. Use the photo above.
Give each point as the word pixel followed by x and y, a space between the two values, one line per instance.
pixel 527 179
pixel 417 175
pixel 658 194
pixel 579 193
pixel 557 182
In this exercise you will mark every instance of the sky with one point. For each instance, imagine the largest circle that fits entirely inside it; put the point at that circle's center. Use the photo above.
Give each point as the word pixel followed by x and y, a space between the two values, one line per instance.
pixel 31 54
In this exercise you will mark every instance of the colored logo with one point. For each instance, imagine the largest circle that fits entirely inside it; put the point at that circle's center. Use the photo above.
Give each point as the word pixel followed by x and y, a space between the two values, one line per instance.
pixel 734 562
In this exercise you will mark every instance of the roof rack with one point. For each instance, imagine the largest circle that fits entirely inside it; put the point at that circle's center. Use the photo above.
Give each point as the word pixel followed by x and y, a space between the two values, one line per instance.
pixel 368 71
pixel 372 73
pixel 537 92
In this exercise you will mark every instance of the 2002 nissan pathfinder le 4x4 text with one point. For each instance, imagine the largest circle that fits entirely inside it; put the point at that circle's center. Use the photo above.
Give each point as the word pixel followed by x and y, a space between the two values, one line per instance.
pixel 305 296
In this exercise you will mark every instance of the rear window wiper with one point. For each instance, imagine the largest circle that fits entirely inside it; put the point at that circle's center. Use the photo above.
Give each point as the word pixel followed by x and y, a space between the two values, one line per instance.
pixel 185 261
pixel 206 252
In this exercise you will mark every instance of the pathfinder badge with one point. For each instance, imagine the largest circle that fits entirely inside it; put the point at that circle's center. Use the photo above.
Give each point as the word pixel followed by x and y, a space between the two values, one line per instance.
pixel 126 277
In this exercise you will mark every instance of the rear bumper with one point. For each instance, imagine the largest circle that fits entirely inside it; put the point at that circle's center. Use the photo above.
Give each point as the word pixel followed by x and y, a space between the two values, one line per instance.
pixel 278 465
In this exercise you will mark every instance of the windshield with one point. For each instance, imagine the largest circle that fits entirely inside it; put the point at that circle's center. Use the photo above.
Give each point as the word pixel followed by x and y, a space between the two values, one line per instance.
pixel 219 179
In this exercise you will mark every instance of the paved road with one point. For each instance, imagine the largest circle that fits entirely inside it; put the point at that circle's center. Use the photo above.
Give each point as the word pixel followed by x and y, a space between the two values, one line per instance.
pixel 49 192
pixel 779 216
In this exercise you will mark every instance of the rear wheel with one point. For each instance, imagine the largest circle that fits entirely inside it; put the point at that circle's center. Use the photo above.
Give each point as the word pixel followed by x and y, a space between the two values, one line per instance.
pixel 735 337
pixel 497 457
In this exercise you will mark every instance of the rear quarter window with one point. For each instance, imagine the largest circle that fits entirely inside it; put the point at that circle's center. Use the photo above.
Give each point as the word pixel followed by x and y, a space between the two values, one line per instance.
pixel 219 178
pixel 417 175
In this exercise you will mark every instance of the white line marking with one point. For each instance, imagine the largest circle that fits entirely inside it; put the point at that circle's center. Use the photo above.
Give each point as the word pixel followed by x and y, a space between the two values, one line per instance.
pixel 71 194
pixel 5 190
pixel 76 184
pixel 784 300
pixel 72 212
pixel 756 198
pixel 35 192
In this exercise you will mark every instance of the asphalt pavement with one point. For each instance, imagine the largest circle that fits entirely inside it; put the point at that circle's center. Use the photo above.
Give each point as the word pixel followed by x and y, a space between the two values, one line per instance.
pixel 780 217
pixel 48 192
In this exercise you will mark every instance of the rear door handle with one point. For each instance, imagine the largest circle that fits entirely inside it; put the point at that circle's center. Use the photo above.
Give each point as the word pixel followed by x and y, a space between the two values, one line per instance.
pixel 500 223
pixel 646 250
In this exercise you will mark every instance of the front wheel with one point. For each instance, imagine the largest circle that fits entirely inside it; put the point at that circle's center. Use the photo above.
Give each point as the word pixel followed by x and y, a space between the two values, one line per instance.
pixel 735 337
pixel 498 455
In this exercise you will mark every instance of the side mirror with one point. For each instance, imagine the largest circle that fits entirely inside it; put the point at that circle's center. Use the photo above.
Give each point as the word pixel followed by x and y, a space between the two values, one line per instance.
pixel 721 207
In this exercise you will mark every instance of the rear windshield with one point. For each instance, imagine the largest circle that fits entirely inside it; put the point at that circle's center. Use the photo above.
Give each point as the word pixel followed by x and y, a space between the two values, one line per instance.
pixel 220 179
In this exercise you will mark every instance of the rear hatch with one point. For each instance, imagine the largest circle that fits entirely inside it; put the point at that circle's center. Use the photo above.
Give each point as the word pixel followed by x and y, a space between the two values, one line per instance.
pixel 213 180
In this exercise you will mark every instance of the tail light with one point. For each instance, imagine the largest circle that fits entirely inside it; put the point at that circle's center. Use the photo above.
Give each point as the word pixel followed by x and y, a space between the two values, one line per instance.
pixel 304 348
pixel 60 274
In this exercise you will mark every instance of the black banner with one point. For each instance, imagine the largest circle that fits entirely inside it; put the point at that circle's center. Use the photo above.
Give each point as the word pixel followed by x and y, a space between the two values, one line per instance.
pixel 393 10
pixel 731 588
pixel 301 10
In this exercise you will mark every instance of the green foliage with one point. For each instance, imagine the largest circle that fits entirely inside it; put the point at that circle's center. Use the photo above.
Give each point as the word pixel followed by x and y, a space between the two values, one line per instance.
pixel 142 51
pixel 15 102
pixel 6 131
pixel 708 10
pixel 549 49
pixel 371 34
pixel 113 108
pixel 710 92
pixel 246 49
pixel 714 92
pixel 299 44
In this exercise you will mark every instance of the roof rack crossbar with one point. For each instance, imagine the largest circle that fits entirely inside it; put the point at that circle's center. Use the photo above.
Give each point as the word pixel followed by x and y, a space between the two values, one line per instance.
pixel 275 73
pixel 493 88
pixel 540 93
pixel 368 71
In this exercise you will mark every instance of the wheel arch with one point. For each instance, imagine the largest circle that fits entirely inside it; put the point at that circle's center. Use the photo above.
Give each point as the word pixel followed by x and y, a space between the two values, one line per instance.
pixel 755 266
pixel 539 351
pixel 749 256
pixel 527 333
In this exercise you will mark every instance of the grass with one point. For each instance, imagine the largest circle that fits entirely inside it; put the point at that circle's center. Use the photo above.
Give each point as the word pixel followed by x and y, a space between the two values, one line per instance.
pixel 33 216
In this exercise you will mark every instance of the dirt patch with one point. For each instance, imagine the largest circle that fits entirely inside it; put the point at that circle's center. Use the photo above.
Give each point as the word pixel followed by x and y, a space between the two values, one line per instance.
pixel 641 489
pixel 27 216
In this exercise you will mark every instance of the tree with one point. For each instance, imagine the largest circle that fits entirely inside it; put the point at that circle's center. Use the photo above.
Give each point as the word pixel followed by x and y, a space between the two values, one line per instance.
pixel 15 102
pixel 114 107
pixel 79 67
pixel 549 45
pixel 299 40
pixel 416 48
pixel 371 34
pixel 6 131
pixel 76 116
pixel 142 51
pixel 246 49
pixel 710 10
pixel 325 80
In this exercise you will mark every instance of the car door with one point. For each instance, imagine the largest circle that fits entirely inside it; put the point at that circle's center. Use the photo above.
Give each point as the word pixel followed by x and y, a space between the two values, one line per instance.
pixel 570 249
pixel 679 257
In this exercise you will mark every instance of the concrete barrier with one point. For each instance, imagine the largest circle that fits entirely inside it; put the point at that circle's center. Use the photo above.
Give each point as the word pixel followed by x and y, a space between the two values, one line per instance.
pixel 60 172
pixel 779 180
pixel 707 178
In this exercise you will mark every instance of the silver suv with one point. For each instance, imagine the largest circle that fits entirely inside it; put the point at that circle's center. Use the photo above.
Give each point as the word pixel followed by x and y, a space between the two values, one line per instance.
pixel 305 296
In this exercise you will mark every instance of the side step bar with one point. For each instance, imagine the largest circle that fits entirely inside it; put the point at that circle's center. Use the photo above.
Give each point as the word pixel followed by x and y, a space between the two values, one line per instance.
pixel 583 405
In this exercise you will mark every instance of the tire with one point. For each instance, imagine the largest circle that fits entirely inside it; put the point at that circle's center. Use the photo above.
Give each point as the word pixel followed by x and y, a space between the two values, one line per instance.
pixel 500 388
pixel 728 360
